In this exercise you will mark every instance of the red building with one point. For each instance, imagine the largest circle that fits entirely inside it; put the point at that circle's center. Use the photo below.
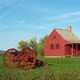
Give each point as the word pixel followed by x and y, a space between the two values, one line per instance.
pixel 62 43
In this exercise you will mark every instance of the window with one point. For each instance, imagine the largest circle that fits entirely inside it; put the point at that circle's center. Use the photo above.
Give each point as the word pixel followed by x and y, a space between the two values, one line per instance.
pixel 57 46
pixel 54 37
pixel 51 46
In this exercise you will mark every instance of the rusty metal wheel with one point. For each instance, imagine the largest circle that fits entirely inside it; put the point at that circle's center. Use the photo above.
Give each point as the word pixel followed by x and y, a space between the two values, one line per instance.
pixel 27 59
pixel 10 58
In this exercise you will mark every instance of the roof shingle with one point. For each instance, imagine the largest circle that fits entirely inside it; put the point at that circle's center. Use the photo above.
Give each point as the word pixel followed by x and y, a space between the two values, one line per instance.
pixel 69 36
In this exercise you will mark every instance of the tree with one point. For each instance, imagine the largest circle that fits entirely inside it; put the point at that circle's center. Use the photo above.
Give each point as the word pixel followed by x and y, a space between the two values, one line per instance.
pixel 37 47
pixel 41 46
pixel 22 45
pixel 33 44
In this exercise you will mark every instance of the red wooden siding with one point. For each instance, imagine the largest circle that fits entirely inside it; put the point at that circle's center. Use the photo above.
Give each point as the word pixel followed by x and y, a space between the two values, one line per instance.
pixel 55 45
pixel 56 40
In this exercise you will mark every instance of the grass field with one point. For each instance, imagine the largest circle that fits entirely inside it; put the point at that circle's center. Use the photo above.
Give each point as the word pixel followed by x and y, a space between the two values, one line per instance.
pixel 58 69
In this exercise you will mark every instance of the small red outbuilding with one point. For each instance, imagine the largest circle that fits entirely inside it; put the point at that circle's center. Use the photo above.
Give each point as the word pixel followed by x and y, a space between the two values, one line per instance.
pixel 62 43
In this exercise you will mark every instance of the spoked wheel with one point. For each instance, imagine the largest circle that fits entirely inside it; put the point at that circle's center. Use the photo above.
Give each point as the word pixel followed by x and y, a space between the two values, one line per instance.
pixel 10 58
pixel 27 59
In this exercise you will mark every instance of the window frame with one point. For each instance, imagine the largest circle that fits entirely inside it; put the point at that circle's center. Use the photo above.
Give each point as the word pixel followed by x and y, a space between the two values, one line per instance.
pixel 51 46
pixel 54 36
pixel 57 46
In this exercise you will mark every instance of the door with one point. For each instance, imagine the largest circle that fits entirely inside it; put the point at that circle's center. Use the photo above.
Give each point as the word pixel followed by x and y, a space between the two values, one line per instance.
pixel 67 51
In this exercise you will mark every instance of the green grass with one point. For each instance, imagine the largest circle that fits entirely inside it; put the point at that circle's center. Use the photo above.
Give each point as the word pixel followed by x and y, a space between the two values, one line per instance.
pixel 58 69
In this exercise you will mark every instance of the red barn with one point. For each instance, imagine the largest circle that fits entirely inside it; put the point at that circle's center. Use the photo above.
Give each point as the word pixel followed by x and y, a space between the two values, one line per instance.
pixel 62 43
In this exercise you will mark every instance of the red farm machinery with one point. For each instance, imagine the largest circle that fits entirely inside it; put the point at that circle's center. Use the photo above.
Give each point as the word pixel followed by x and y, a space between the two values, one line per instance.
pixel 25 59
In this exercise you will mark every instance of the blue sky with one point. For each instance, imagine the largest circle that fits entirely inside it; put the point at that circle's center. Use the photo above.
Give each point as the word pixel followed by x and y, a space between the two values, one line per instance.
pixel 24 19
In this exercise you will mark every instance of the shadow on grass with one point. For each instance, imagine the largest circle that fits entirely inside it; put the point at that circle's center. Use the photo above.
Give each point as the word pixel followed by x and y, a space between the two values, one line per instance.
pixel 39 66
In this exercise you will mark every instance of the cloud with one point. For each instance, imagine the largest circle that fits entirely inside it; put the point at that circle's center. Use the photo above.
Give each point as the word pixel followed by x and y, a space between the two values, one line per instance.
pixel 62 16
pixel 69 21
pixel 78 33
pixel 76 13
pixel 44 27
pixel 23 26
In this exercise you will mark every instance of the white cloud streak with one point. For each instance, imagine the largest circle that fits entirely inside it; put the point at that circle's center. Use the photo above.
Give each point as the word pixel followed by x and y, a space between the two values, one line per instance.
pixel 62 16
pixel 78 33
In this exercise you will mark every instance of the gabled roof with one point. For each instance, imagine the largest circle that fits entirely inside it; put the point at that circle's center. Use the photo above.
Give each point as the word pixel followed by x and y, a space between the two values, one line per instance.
pixel 67 35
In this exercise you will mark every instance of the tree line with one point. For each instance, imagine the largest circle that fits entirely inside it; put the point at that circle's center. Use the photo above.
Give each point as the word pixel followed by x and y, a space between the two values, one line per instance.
pixel 38 47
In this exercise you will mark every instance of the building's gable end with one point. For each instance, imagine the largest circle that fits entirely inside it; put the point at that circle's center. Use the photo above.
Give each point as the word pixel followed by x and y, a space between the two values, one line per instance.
pixel 53 33
pixel 54 39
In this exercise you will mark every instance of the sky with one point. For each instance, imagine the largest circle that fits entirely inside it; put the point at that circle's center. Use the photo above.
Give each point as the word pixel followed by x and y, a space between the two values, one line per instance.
pixel 25 19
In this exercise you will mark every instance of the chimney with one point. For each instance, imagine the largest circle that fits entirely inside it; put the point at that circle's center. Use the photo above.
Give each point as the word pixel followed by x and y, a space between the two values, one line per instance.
pixel 69 28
